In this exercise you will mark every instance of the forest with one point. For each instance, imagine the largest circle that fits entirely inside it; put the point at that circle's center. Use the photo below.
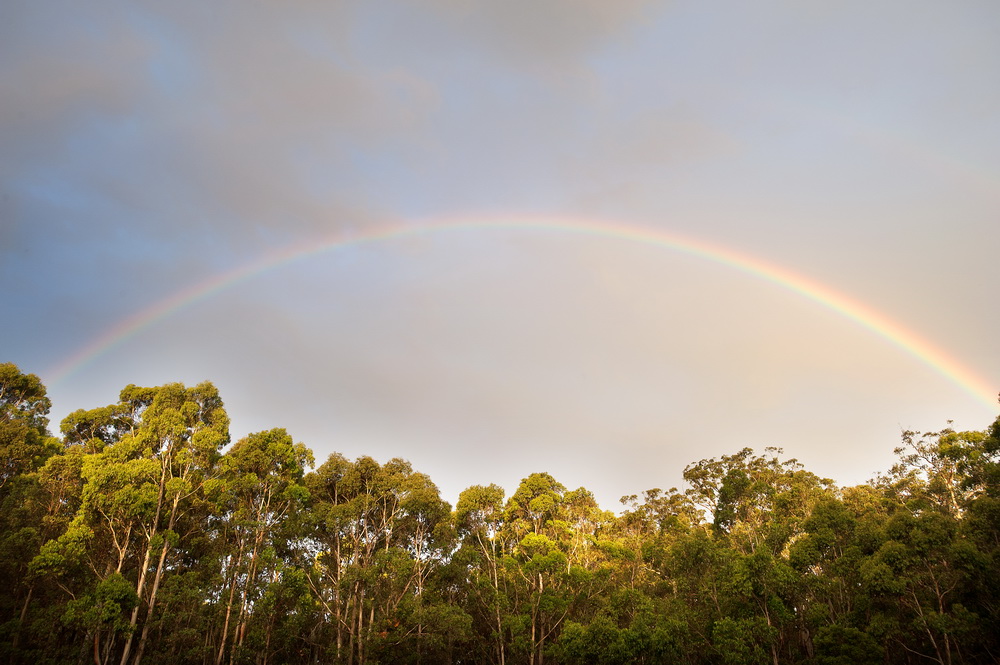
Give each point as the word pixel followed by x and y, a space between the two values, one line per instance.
pixel 142 534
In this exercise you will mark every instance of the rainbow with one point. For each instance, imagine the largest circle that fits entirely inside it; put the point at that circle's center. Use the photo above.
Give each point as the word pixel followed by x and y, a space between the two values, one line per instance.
pixel 905 339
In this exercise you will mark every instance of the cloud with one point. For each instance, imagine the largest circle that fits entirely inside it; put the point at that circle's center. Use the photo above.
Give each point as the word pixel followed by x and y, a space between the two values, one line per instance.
pixel 247 125
pixel 58 81
pixel 54 73
pixel 542 34
pixel 237 121
pixel 145 146
pixel 271 117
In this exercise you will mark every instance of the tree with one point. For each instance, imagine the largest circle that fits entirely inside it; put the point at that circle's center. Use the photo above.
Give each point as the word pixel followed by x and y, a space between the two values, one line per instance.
pixel 553 569
pixel 755 500
pixel 479 520
pixel 140 540
pixel 146 458
pixel 917 579
pixel 103 611
pixel 261 486
pixel 24 437
pixel 944 469
pixel 381 532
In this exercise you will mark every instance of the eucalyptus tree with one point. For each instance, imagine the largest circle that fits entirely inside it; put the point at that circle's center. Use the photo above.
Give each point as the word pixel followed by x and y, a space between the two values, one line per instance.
pixel 942 470
pixel 259 487
pixel 479 521
pixel 755 500
pixel 827 559
pixel 352 513
pixel 918 579
pixel 38 508
pixel 24 436
pixel 644 532
pixel 140 540
pixel 145 459
pixel 380 531
pixel 25 446
pixel 536 565
pixel 553 567
pixel 930 573
pixel 177 435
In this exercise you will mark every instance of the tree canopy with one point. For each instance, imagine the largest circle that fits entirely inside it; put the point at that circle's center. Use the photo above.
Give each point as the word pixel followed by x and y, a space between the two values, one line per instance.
pixel 144 535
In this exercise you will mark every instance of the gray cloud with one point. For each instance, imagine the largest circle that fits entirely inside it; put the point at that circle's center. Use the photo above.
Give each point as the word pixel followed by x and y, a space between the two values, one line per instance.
pixel 243 119
pixel 542 34
pixel 147 146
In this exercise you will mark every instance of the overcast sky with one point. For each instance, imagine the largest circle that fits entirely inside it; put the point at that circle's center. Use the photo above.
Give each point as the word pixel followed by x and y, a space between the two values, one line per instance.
pixel 148 147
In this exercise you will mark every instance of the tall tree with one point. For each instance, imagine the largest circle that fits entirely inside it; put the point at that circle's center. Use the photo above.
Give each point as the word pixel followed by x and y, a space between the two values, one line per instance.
pixel 147 457
pixel 263 487
pixel 479 519
pixel 24 436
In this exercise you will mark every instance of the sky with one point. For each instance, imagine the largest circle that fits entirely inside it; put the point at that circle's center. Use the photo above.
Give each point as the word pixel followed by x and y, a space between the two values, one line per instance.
pixel 599 239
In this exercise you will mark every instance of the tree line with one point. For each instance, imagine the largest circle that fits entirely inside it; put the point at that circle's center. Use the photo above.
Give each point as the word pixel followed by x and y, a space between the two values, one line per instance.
pixel 142 534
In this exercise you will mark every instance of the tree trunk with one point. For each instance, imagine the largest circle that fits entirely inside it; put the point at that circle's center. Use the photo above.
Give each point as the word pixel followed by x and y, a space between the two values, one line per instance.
pixel 139 588
pixel 351 634
pixel 24 615
pixel 157 577
pixel 361 627
pixel 141 585
pixel 337 614
pixel 251 580
pixel 229 605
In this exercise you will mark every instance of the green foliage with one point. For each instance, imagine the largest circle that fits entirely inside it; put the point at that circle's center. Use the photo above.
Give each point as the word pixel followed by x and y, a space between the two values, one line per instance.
pixel 105 608
pixel 24 438
pixel 845 645
pixel 140 538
